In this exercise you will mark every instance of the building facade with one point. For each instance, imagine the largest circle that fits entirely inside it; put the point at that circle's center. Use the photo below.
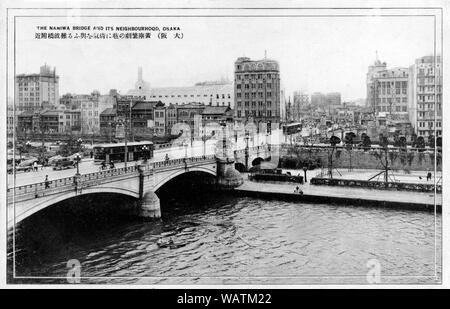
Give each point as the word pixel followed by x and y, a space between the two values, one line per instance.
pixel 391 93
pixel 425 96
pixel 257 90
pixel 326 103
pixel 300 104
pixel 59 120
pixel 90 105
pixel 216 93
pixel 160 117
pixel 172 119
pixel 374 69
pixel 37 91
pixel 190 114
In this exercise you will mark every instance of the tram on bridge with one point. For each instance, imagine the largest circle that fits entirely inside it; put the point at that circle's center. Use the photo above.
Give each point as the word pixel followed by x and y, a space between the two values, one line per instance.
pixel 115 152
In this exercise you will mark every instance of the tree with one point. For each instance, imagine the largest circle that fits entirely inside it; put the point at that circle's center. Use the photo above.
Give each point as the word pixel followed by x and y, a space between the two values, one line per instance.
pixel 431 141
pixel 21 149
pixel 383 154
pixel 414 140
pixel 402 142
pixel 420 143
pixel 384 141
pixel 68 148
pixel 349 138
pixel 334 140
pixel 366 142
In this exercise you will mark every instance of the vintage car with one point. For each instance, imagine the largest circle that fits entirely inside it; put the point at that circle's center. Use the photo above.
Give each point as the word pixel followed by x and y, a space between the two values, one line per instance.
pixel 64 163
pixel 275 175
pixel 23 166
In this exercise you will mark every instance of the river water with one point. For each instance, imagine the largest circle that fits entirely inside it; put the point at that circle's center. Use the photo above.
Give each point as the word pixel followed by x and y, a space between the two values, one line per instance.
pixel 225 239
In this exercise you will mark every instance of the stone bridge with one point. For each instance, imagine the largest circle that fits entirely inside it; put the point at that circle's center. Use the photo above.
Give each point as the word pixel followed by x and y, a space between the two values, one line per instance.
pixel 138 181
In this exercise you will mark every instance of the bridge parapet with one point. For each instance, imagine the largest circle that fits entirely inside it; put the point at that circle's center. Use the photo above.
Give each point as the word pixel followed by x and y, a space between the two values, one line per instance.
pixel 82 181
pixel 139 181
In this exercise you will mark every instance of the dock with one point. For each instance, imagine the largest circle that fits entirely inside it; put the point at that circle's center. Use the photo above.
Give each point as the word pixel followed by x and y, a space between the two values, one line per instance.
pixel 362 197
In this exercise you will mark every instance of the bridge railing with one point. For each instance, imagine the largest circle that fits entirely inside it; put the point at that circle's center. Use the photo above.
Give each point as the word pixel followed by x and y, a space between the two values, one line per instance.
pixel 55 186
pixel 252 149
pixel 66 184
pixel 177 162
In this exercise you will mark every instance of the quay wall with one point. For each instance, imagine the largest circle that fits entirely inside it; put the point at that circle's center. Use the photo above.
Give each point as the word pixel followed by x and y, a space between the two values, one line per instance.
pixel 296 157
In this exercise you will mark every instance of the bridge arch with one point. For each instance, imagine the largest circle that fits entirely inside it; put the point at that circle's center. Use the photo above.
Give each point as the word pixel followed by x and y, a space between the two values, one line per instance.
pixel 257 161
pixel 177 173
pixel 240 167
pixel 42 203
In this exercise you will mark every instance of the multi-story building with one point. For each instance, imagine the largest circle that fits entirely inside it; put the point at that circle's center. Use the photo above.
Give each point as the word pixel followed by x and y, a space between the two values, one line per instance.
pixel 216 93
pixel 37 91
pixel 25 121
pixel 300 104
pixel 91 105
pixel 213 117
pixel 60 120
pixel 72 120
pixel 391 93
pixel 387 96
pixel 318 99
pixel 217 114
pixel 142 117
pixel 160 118
pixel 172 119
pixel 108 122
pixel 257 90
pixel 333 99
pixel 425 96
pixel 374 69
pixel 326 103
pixel 187 113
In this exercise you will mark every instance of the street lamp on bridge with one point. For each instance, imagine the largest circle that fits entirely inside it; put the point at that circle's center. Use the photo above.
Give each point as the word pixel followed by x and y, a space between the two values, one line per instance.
pixel 247 137
pixel 145 150
pixel 77 160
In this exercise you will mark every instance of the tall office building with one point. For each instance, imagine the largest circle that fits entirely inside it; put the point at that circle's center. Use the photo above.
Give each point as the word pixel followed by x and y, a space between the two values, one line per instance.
pixel 299 105
pixel 257 90
pixel 387 94
pixel 377 67
pixel 34 92
pixel 425 96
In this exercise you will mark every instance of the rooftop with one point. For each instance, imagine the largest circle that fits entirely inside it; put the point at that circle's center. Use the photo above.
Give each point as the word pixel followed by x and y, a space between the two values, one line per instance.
pixel 213 110
pixel 109 111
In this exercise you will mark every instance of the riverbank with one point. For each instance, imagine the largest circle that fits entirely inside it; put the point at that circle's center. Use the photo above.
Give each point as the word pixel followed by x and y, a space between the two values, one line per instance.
pixel 343 196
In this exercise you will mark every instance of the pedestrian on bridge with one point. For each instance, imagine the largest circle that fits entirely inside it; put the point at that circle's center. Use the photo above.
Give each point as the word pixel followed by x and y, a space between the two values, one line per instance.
pixel 47 182
pixel 305 169
pixel 428 175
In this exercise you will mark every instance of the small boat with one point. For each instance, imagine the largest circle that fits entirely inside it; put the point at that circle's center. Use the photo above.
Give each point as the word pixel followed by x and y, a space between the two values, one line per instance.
pixel 169 243
pixel 164 242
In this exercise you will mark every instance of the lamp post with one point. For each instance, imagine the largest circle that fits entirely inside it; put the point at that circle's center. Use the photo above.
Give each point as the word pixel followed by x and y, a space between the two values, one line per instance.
pixel 110 131
pixel 185 144
pixel 79 142
pixel 246 149
pixel 224 141
pixel 204 143
pixel 77 159
pixel 145 150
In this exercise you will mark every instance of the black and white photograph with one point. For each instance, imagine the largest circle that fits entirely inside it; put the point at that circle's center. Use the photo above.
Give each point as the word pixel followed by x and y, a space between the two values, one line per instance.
pixel 216 143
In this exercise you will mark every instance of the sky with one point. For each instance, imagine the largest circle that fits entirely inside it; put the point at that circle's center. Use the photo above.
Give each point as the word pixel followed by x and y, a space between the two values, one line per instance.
pixel 316 54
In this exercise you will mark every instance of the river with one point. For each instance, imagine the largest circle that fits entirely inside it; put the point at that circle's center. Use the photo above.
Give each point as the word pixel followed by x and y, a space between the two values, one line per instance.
pixel 225 239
